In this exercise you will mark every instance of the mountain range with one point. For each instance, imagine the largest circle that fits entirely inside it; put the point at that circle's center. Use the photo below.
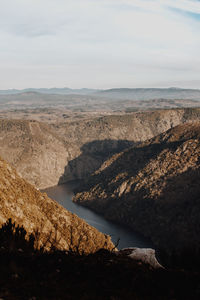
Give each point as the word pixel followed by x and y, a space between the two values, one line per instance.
pixel 58 91
pixel 86 100
pixel 116 93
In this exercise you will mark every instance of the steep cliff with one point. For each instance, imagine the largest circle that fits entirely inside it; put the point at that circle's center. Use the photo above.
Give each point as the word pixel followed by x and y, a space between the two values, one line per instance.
pixel 153 188
pixel 36 212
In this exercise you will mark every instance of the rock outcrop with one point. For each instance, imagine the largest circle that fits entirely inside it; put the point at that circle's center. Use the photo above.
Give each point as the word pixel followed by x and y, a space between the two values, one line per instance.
pixel 145 255
pixel 27 206
pixel 153 188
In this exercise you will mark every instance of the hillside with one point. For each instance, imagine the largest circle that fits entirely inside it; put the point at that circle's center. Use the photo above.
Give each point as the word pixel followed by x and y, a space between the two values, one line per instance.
pixel 93 141
pixel 46 155
pixel 27 206
pixel 34 149
pixel 153 188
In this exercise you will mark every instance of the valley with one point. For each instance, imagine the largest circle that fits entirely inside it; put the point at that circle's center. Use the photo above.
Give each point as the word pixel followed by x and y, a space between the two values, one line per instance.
pixel 47 154
pixel 135 165
pixel 122 236
pixel 100 150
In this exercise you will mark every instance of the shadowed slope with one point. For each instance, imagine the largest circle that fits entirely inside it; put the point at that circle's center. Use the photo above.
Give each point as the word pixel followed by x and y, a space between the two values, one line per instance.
pixel 153 188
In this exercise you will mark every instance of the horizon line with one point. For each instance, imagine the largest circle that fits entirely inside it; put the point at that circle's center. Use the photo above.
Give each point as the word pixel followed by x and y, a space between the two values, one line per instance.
pixel 100 89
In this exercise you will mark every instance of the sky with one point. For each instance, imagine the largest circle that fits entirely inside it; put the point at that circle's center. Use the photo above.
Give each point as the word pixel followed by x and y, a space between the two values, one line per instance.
pixel 99 43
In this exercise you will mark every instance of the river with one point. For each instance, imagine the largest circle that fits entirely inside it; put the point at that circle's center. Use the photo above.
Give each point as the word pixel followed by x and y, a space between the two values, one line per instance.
pixel 63 195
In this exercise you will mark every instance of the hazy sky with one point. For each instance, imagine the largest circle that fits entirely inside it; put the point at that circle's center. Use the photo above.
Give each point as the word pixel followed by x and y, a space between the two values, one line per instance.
pixel 99 43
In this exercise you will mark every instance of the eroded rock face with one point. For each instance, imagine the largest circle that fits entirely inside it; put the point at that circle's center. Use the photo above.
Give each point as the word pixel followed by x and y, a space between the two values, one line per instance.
pixel 46 155
pixel 145 255
pixel 153 188
pixel 35 211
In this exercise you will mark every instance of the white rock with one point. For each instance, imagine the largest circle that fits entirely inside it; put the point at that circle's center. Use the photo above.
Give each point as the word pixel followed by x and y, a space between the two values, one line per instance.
pixel 146 255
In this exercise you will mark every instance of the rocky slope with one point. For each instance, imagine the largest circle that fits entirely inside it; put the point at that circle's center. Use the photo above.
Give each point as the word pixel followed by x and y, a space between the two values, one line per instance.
pixel 34 149
pixel 94 141
pixel 46 155
pixel 36 212
pixel 153 188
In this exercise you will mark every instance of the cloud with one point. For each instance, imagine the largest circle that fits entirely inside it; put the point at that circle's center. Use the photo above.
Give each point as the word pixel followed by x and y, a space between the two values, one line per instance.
pixel 99 42
pixel 192 6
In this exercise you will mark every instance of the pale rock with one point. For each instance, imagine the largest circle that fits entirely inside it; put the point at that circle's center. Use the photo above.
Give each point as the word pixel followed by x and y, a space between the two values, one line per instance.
pixel 146 255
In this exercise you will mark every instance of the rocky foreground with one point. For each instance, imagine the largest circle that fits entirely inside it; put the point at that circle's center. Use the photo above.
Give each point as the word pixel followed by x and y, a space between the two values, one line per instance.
pixel 27 273
pixel 153 188
pixel 53 225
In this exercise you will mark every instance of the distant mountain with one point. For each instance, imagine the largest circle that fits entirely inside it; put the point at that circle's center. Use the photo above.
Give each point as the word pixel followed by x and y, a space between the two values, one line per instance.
pixel 150 93
pixel 118 93
pixel 153 188
pixel 86 100
pixel 59 91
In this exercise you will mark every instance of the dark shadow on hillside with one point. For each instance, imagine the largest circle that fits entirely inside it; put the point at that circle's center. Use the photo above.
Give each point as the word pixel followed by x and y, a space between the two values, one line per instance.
pixel 93 154
pixel 31 274
pixel 171 219
pixel 131 162
pixel 179 206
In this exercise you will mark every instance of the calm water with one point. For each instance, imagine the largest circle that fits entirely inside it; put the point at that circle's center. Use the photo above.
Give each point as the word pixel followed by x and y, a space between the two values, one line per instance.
pixel 63 195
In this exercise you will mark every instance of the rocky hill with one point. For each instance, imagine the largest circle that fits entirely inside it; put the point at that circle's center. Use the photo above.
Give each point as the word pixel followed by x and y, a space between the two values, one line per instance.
pixel 27 206
pixel 46 155
pixel 34 149
pixel 153 188
pixel 94 141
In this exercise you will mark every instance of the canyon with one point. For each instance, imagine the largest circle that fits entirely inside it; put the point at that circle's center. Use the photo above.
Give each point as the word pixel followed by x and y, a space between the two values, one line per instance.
pixel 121 161
pixel 49 154
pixel 136 168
